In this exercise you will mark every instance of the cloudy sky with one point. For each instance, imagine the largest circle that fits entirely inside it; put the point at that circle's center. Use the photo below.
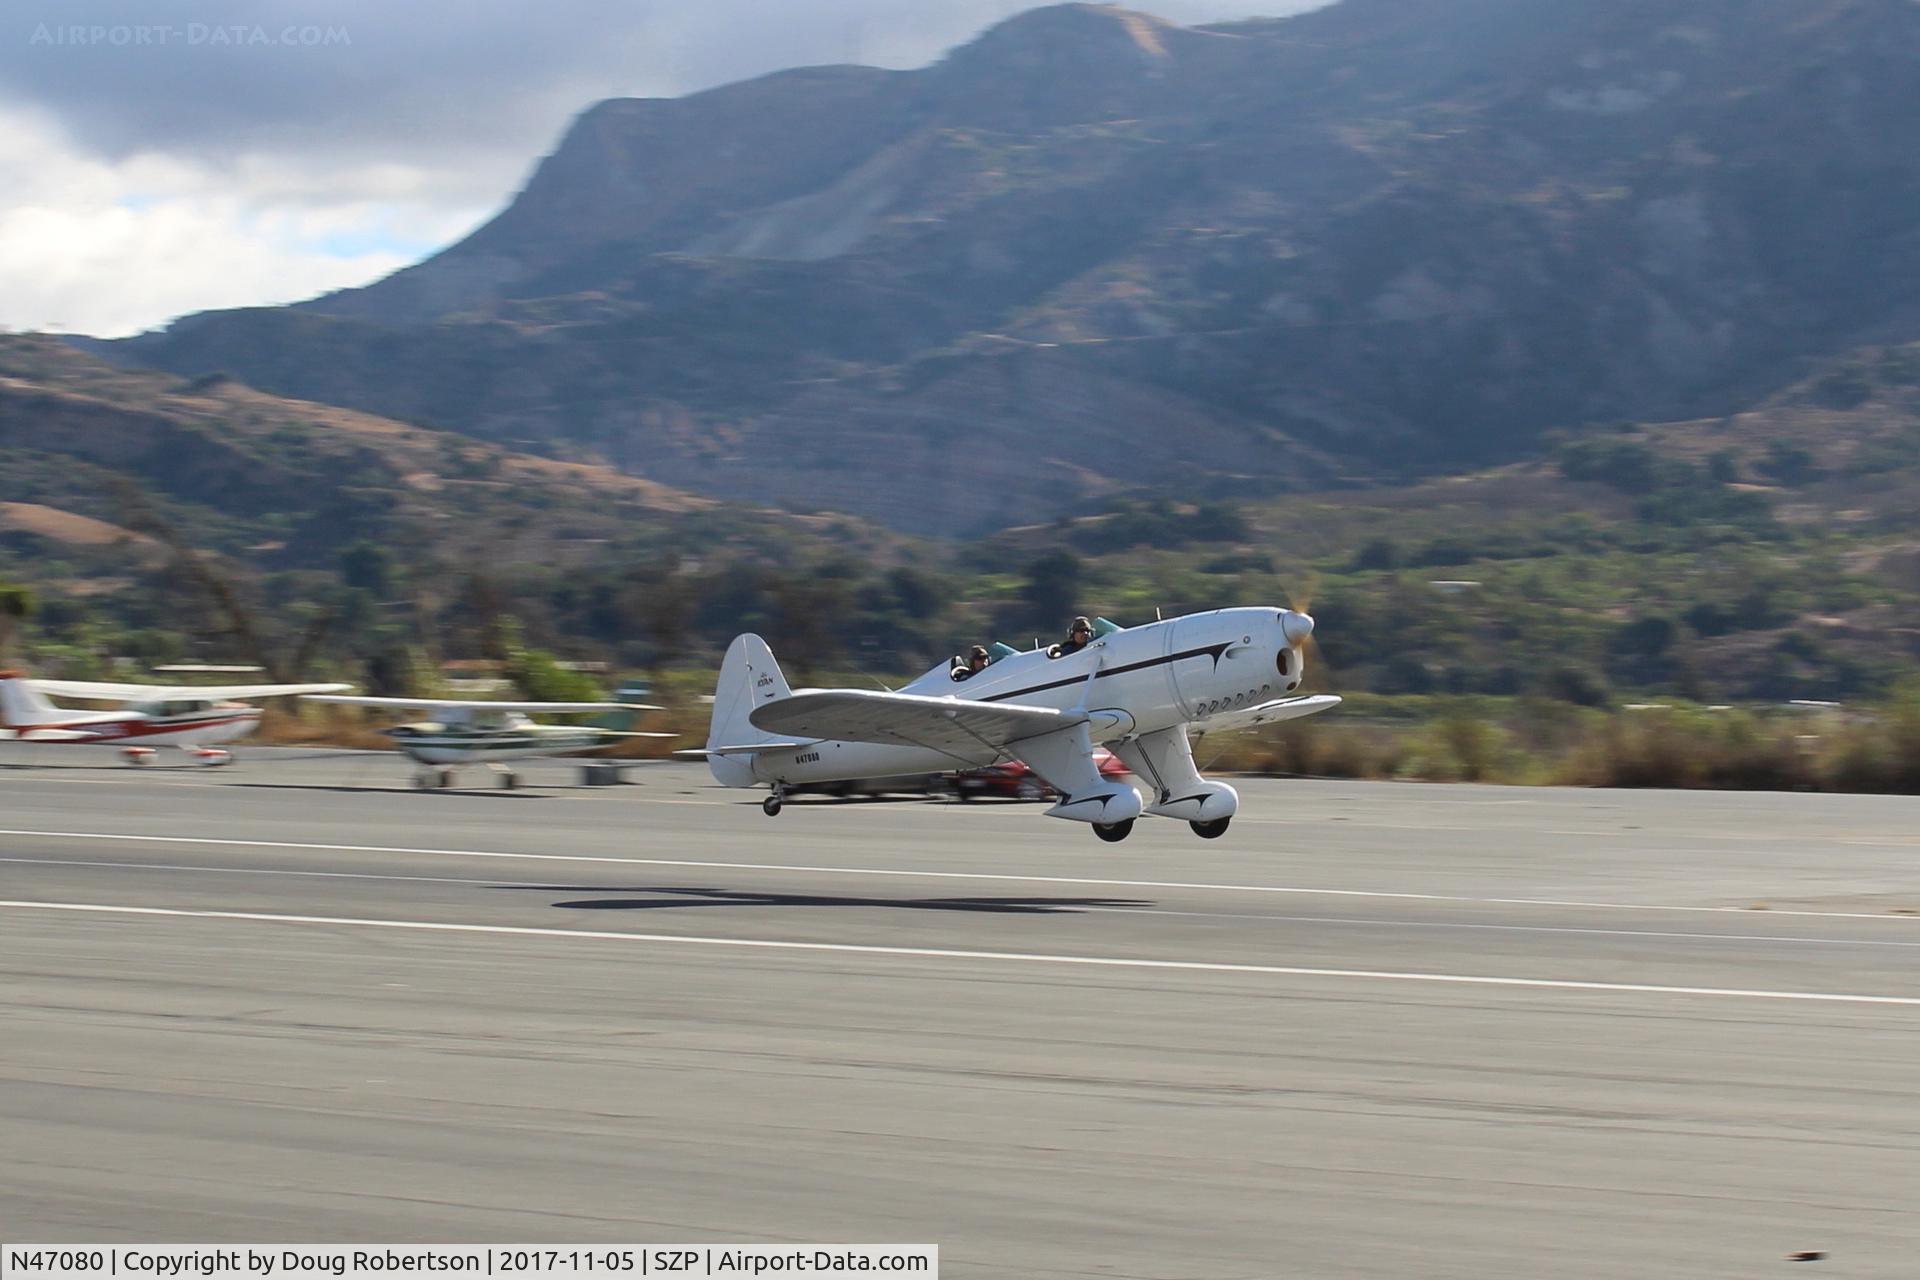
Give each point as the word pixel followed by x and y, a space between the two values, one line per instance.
pixel 160 157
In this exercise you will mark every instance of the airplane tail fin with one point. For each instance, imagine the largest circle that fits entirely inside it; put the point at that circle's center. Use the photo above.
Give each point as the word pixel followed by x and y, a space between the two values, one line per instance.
pixel 749 676
pixel 22 705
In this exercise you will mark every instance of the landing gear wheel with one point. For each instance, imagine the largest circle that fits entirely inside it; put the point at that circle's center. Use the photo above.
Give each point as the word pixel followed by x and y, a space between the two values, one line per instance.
pixel 771 805
pixel 445 778
pixel 423 780
pixel 509 780
pixel 1211 830
pixel 1113 832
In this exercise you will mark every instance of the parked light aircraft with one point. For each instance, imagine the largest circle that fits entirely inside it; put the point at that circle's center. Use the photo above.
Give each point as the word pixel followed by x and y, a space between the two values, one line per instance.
pixel 490 733
pixel 1136 691
pixel 195 719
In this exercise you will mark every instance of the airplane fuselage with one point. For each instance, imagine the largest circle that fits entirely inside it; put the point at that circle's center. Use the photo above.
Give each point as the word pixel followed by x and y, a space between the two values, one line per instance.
pixel 438 743
pixel 1184 670
pixel 207 726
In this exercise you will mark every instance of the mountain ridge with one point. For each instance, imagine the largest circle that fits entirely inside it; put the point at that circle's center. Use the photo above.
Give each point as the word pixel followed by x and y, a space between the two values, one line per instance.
pixel 1342 247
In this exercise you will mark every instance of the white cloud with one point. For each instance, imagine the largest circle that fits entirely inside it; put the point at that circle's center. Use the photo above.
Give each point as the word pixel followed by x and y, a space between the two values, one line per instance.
pixel 141 183
pixel 113 247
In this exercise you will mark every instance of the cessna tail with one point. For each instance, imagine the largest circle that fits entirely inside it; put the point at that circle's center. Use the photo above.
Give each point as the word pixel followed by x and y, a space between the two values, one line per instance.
pixel 24 707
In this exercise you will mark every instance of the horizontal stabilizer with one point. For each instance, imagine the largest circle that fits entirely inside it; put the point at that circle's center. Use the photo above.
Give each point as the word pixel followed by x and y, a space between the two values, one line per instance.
pixel 741 749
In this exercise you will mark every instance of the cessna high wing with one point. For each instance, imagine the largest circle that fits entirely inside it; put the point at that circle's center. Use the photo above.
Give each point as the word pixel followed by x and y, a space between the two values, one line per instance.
pixel 1136 691
pixel 490 733
pixel 195 719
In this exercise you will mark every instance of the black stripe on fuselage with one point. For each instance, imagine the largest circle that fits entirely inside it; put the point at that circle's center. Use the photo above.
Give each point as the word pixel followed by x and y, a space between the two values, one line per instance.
pixel 1211 651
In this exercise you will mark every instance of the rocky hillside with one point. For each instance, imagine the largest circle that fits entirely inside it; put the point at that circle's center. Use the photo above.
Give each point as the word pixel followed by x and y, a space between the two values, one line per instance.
pixel 103 467
pixel 1762 556
pixel 1092 252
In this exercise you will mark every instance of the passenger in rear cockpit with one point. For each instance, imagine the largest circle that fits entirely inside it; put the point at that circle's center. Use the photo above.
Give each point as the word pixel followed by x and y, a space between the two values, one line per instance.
pixel 970 666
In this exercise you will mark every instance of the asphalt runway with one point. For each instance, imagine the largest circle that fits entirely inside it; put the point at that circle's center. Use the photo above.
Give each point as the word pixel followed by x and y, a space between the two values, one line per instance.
pixel 1378 1030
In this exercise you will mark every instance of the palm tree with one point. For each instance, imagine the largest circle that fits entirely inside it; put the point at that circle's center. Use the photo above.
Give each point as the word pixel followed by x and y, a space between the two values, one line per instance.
pixel 16 605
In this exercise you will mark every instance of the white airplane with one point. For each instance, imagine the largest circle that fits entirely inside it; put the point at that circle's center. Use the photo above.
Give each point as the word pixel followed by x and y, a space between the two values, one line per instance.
pixel 1135 691
pixel 489 733
pixel 195 719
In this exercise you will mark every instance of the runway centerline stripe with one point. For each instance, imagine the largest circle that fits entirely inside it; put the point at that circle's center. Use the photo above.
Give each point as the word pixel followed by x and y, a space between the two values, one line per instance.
pixel 989 876
pixel 1265 917
pixel 943 953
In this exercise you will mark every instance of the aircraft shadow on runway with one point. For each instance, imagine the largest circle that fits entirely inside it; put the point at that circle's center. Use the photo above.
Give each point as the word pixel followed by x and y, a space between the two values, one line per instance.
pixel 679 896
pixel 884 797
pixel 402 789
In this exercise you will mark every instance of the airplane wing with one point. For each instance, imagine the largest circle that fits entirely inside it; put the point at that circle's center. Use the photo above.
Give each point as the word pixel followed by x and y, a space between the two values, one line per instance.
pixel 970 731
pixel 1268 713
pixel 109 691
pixel 480 704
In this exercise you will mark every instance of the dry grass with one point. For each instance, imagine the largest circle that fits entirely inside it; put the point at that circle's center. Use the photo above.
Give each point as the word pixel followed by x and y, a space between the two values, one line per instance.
pixel 1731 750
pixel 1329 750
pixel 1683 748
pixel 318 725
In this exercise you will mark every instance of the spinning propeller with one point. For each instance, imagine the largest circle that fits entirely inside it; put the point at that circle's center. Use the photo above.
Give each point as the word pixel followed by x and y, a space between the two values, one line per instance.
pixel 1301 637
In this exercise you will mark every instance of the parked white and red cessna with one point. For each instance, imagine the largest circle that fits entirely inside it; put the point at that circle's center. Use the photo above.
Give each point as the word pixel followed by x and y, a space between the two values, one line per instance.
pixel 1136 691
pixel 198 720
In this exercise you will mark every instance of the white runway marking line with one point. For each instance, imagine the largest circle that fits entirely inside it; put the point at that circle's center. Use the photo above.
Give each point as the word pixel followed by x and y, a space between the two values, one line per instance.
pixel 1082 881
pixel 942 953
pixel 1086 910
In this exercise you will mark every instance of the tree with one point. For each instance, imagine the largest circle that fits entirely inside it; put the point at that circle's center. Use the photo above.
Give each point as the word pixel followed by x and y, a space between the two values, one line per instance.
pixel 369 567
pixel 1377 554
pixel 1790 464
pixel 1052 588
pixel 669 611
pixel 810 607
pixel 223 586
pixel 16 606
pixel 538 675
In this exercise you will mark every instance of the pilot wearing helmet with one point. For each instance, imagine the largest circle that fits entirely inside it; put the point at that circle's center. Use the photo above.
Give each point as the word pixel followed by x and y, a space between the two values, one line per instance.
pixel 972 665
pixel 1077 637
